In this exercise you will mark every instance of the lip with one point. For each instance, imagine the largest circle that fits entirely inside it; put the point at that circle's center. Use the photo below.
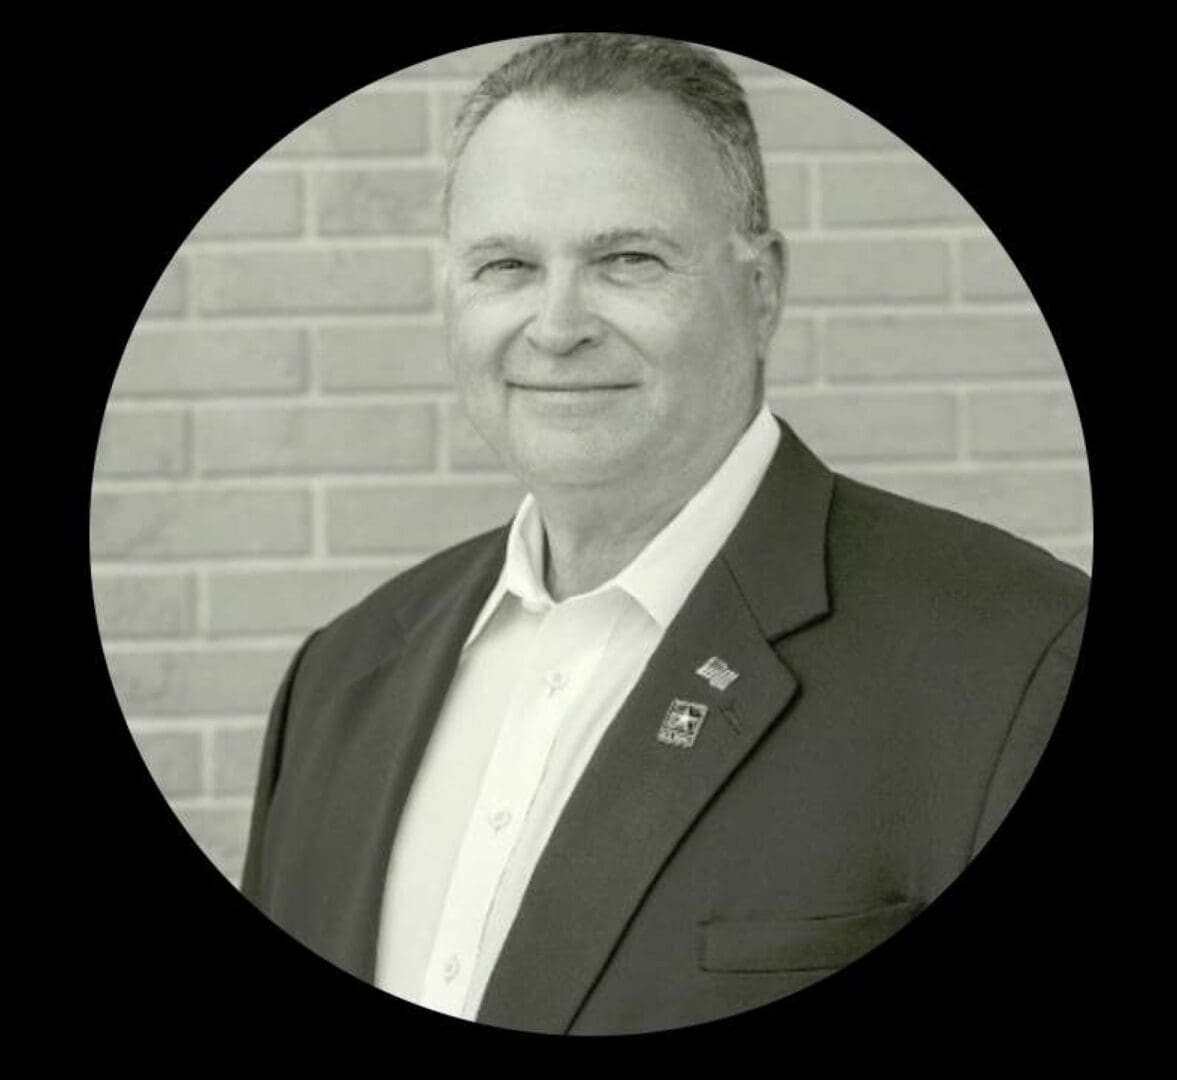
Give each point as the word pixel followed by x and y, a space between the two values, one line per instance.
pixel 567 388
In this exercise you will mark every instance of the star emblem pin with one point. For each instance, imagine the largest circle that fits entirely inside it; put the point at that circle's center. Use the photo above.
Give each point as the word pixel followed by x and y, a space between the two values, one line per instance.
pixel 680 727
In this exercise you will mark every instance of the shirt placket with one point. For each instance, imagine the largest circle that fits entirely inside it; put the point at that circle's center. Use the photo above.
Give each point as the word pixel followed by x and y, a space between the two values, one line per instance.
pixel 535 715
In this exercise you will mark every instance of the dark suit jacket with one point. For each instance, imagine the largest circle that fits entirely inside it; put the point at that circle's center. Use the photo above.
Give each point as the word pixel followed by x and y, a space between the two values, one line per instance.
pixel 900 670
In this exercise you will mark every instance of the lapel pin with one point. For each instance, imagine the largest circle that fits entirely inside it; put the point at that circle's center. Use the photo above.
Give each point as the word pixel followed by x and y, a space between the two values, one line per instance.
pixel 717 673
pixel 680 726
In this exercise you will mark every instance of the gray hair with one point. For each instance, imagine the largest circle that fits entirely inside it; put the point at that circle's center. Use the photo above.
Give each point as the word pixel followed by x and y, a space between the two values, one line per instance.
pixel 580 65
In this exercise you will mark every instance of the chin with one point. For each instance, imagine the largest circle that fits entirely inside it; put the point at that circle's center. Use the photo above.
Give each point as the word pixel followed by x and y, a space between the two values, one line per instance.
pixel 576 470
pixel 585 456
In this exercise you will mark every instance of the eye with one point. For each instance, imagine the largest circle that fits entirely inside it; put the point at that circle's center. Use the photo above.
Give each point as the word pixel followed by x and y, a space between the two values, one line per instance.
pixel 631 258
pixel 501 268
pixel 632 265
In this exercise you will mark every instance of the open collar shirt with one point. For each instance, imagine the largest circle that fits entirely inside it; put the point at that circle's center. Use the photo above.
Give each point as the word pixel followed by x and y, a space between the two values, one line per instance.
pixel 537 685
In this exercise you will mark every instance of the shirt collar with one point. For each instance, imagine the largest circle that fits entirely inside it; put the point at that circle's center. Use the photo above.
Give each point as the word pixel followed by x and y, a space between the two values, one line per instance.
pixel 662 575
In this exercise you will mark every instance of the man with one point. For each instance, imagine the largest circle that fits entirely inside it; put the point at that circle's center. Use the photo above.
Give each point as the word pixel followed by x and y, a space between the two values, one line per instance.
pixel 706 721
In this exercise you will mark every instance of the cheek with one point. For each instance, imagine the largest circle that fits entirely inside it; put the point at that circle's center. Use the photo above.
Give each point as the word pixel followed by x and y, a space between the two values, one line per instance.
pixel 670 327
pixel 657 322
pixel 476 335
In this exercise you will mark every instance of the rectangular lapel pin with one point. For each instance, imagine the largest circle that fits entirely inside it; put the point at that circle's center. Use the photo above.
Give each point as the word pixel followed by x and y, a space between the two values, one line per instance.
pixel 680 726
pixel 717 673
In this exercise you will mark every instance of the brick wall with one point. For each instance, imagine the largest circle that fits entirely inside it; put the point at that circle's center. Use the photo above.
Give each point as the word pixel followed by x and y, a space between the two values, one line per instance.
pixel 282 434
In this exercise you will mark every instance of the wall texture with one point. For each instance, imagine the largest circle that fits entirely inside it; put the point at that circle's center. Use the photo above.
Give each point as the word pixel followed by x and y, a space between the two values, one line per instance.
pixel 283 435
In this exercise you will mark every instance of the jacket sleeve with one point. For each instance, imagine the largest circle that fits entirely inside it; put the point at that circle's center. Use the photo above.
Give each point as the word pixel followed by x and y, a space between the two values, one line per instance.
pixel 267 779
pixel 1037 712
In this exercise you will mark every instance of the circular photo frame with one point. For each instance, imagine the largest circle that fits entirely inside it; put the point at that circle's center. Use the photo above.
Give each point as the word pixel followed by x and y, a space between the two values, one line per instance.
pixel 285 463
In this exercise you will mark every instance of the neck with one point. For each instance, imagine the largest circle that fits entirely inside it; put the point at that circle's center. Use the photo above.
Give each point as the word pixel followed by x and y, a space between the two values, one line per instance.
pixel 590 540
pixel 593 533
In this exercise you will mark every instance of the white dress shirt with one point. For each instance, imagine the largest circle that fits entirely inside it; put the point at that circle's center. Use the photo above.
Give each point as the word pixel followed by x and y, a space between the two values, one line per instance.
pixel 537 685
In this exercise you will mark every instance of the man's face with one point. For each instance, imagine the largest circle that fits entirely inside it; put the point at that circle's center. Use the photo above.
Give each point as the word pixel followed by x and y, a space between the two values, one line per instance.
pixel 604 318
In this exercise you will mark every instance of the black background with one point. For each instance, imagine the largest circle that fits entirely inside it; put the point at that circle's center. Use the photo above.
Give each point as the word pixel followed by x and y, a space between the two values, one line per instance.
pixel 151 944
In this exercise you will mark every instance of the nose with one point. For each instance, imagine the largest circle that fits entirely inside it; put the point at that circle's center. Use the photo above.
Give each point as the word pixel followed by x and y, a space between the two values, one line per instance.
pixel 562 322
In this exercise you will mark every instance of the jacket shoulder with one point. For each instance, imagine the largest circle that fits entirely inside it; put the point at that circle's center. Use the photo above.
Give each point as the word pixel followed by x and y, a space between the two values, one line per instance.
pixel 361 636
pixel 938 560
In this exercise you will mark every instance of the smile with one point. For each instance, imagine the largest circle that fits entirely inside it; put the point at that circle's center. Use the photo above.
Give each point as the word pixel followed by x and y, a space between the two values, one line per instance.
pixel 563 388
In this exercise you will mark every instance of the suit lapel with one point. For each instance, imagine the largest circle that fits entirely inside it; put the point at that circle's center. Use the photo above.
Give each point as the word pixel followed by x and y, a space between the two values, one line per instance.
pixel 380 726
pixel 638 796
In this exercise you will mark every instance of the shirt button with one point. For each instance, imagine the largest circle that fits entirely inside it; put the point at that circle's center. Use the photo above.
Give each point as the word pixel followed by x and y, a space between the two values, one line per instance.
pixel 534 607
pixel 450 968
pixel 499 818
pixel 556 680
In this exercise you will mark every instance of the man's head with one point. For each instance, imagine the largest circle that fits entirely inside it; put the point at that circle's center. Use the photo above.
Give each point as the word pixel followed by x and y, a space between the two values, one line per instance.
pixel 585 65
pixel 612 284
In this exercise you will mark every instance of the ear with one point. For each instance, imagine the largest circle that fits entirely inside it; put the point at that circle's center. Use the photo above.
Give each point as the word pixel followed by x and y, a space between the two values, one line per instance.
pixel 770 261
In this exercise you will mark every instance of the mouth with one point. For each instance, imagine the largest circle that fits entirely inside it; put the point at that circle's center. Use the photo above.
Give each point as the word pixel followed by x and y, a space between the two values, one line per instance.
pixel 570 388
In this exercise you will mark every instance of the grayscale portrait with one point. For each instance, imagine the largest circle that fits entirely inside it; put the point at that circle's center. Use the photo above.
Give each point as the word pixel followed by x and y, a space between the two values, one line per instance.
pixel 591 534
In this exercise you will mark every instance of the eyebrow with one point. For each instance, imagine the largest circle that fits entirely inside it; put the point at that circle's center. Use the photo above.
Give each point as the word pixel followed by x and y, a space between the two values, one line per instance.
pixel 597 242
pixel 491 243
pixel 615 237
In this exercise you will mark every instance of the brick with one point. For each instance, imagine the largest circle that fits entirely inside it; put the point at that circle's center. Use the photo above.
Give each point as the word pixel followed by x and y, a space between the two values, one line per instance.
pixel 788 194
pixel 375 202
pixel 177 524
pixel 939 347
pixel 1027 502
pixel 468 449
pixel 221 833
pixel 197 683
pixel 791 355
pixel 236 754
pixel 364 123
pixel 1008 423
pixel 417 519
pixel 258 204
pixel 193 363
pixel 174 760
pixel 362 438
pixel 849 271
pixel 988 273
pixel 349 358
pixel 475 61
pixel 304 282
pixel 286 601
pixel 143 444
pixel 801 118
pixel 890 193
pixel 145 605
pixel 841 427
pixel 169 295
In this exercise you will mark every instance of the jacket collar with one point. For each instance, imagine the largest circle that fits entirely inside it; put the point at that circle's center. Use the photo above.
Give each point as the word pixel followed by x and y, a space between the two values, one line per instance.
pixel 777 553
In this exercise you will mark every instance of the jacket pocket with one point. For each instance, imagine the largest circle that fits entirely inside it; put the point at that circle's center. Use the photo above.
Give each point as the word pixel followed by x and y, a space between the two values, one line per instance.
pixel 823 942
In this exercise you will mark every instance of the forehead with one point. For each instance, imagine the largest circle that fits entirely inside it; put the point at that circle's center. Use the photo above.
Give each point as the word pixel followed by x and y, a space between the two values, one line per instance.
pixel 548 164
